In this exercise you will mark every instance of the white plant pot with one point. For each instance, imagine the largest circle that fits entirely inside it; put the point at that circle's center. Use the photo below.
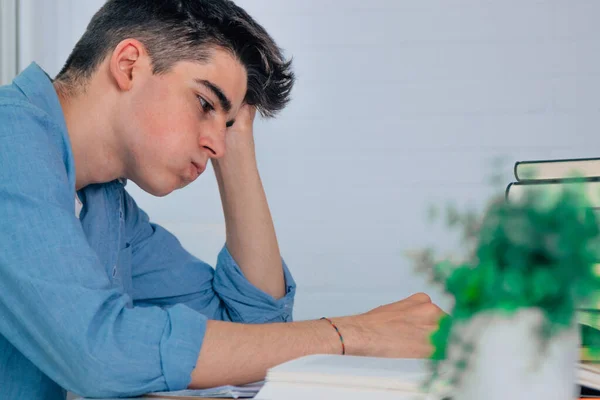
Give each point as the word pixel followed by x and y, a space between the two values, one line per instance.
pixel 509 361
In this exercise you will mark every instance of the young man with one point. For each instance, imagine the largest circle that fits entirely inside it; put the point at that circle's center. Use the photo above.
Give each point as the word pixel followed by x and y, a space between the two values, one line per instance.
pixel 97 300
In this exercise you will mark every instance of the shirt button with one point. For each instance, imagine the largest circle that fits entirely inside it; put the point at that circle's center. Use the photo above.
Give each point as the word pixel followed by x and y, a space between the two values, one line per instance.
pixel 114 271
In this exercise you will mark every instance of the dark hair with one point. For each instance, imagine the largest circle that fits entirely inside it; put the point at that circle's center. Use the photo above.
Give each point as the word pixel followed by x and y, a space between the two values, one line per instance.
pixel 185 30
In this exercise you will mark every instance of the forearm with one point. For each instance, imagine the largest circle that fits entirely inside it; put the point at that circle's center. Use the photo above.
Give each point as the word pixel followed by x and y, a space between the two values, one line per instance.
pixel 235 353
pixel 250 233
pixel 239 353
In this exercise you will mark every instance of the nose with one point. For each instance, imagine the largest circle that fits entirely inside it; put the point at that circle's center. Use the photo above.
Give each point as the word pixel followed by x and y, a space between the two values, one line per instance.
pixel 213 140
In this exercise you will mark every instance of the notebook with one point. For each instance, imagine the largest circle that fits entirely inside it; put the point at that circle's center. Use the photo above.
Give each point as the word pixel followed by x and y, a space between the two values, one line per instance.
pixel 225 392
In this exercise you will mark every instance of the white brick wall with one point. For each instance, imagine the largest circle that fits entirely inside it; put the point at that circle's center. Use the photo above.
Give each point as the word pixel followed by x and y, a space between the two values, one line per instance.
pixel 398 104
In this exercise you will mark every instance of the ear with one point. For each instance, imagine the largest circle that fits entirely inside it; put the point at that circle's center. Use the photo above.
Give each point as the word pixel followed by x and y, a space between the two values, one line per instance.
pixel 128 59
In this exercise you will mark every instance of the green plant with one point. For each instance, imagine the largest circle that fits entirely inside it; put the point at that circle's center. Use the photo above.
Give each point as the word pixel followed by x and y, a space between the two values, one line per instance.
pixel 539 253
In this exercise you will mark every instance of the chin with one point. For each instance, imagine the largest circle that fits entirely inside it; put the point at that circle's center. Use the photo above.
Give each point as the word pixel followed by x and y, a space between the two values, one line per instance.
pixel 161 193
pixel 158 189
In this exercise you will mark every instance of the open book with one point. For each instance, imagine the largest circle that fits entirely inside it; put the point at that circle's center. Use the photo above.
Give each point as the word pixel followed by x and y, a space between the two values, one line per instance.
pixel 346 377
pixel 354 378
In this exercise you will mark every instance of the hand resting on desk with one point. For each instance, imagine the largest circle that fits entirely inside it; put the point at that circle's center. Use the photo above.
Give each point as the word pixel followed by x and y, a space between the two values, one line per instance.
pixel 236 354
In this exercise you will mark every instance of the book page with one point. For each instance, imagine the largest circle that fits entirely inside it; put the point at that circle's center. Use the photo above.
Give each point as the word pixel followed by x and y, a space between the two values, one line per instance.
pixel 398 368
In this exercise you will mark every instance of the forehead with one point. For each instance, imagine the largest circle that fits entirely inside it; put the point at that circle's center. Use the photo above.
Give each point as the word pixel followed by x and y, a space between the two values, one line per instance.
pixel 221 69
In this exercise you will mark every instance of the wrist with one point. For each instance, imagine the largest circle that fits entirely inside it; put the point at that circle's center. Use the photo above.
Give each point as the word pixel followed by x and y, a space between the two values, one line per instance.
pixel 334 326
pixel 353 333
pixel 241 146
pixel 236 159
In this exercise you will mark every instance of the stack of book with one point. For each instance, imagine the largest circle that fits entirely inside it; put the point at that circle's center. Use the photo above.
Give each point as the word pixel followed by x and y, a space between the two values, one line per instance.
pixel 551 177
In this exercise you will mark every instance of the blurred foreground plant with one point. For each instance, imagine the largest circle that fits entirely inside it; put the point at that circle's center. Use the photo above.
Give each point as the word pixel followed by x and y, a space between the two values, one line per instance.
pixel 539 252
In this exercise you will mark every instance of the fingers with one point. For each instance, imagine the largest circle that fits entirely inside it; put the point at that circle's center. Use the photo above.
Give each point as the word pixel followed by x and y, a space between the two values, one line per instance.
pixel 423 314
pixel 406 304
pixel 414 300
pixel 247 112
pixel 418 298
pixel 404 327
pixel 431 310
pixel 424 350
pixel 428 314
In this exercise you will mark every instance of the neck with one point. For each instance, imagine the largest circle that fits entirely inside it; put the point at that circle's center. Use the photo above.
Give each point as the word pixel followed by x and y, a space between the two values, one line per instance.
pixel 94 143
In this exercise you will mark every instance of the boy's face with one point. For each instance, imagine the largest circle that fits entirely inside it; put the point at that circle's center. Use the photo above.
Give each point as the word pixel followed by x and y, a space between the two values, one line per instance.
pixel 171 124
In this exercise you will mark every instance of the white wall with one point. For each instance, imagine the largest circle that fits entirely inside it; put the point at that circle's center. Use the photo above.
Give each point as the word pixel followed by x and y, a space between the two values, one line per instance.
pixel 8 40
pixel 399 104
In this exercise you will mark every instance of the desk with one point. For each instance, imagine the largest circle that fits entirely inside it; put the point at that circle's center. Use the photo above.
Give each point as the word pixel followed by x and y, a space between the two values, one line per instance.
pixel 157 398
pixel 211 398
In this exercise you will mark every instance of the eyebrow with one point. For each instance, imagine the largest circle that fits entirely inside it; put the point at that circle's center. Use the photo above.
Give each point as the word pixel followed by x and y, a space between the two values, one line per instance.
pixel 217 91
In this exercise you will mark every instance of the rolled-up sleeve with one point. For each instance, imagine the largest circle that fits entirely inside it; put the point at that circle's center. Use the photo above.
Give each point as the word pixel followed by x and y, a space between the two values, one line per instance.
pixel 247 303
pixel 165 274
pixel 180 345
pixel 57 306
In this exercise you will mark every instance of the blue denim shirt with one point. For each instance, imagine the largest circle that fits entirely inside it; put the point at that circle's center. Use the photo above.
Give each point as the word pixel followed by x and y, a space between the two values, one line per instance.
pixel 107 304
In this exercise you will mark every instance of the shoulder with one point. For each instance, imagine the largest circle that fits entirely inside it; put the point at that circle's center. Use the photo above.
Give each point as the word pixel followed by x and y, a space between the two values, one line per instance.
pixel 18 112
pixel 10 94
pixel 20 117
pixel 32 151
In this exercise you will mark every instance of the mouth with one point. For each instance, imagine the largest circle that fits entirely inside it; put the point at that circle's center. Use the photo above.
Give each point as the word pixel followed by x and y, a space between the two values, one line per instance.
pixel 197 169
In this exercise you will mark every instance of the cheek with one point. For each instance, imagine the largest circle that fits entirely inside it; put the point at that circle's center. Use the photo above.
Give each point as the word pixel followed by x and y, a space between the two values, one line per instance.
pixel 155 110
pixel 166 122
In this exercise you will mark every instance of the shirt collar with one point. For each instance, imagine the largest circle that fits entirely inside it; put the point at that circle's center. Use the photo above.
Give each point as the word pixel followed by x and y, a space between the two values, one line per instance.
pixel 37 86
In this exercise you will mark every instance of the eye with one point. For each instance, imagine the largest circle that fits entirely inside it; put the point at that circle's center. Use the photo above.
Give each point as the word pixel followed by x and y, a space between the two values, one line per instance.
pixel 206 106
